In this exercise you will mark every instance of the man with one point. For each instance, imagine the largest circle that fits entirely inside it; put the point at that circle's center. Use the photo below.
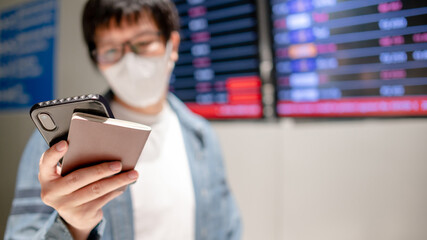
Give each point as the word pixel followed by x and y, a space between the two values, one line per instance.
pixel 181 192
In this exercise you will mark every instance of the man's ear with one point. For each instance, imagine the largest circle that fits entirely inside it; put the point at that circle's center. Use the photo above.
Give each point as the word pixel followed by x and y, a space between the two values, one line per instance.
pixel 175 40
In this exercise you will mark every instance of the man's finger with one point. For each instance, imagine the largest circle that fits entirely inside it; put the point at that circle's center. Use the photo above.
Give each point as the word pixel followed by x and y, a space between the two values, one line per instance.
pixel 101 201
pixel 85 176
pixel 104 186
pixel 50 159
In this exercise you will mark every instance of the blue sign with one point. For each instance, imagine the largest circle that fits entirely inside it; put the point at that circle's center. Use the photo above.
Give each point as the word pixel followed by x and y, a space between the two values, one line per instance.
pixel 27 54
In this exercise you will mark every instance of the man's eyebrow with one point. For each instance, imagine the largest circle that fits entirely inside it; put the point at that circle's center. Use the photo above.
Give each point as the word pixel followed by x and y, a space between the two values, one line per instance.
pixel 106 41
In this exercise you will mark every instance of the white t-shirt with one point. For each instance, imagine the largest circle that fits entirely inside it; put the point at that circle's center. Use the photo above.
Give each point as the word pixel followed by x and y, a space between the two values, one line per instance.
pixel 163 197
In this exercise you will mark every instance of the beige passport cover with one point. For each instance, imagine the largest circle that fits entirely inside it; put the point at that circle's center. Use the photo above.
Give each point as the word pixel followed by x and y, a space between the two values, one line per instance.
pixel 94 139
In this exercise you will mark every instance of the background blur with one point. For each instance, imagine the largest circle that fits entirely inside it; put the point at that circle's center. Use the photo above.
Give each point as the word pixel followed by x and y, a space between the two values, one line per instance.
pixel 293 179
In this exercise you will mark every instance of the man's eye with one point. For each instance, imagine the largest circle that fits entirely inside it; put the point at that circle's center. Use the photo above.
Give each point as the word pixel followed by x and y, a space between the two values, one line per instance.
pixel 111 51
pixel 141 45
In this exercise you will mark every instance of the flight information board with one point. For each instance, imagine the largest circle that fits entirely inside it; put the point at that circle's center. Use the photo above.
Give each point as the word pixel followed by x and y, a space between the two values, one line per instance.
pixel 350 58
pixel 217 74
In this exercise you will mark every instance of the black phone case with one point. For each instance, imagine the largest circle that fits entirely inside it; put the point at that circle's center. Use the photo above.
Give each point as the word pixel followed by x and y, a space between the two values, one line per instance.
pixel 61 111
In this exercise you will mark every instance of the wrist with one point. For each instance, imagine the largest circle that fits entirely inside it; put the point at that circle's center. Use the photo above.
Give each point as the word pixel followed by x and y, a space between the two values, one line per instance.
pixel 79 234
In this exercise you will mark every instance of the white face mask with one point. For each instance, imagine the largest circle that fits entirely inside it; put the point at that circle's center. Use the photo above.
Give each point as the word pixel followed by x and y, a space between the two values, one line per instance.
pixel 141 81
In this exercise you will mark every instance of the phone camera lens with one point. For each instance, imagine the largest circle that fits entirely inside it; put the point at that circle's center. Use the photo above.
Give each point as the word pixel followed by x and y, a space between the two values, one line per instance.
pixel 46 121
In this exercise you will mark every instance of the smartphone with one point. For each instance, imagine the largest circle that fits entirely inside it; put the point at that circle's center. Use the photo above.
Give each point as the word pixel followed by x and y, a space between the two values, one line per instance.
pixel 53 118
pixel 93 139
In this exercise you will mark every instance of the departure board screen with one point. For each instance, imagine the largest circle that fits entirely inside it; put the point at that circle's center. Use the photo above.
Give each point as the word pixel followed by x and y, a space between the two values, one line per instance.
pixel 217 74
pixel 350 58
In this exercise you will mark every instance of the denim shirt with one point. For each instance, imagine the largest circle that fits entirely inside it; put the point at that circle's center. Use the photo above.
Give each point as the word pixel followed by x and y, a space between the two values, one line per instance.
pixel 217 216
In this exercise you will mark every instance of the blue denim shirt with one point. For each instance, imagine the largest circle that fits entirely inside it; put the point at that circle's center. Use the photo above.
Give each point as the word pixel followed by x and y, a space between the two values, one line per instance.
pixel 217 216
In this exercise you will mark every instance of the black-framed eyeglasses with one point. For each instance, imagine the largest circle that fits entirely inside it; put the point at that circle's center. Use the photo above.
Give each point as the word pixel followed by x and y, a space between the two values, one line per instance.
pixel 143 44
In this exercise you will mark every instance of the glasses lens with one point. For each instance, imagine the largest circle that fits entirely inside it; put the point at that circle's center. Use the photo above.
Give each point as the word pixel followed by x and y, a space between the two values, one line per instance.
pixel 109 55
pixel 146 44
pixel 146 48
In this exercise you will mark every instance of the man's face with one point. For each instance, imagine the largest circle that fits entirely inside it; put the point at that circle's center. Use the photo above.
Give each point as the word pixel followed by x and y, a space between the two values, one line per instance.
pixel 114 41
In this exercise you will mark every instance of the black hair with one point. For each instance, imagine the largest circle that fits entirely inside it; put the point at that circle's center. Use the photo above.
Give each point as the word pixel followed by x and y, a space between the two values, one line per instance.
pixel 99 13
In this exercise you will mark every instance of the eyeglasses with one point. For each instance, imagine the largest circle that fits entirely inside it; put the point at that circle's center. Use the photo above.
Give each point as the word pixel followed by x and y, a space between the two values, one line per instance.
pixel 143 44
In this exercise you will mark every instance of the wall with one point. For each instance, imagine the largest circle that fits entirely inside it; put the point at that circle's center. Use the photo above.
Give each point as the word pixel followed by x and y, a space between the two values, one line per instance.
pixel 324 180
pixel 293 179
pixel 355 180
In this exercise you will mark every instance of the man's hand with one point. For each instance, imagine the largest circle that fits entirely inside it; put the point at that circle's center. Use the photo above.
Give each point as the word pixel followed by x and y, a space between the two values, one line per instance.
pixel 79 196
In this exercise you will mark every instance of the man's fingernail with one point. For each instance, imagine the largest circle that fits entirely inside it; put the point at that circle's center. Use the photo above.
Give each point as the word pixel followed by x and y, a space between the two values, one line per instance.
pixel 61 146
pixel 133 175
pixel 115 166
